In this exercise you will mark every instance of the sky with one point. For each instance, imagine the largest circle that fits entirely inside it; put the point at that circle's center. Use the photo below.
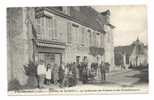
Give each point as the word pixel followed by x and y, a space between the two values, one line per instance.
pixel 130 22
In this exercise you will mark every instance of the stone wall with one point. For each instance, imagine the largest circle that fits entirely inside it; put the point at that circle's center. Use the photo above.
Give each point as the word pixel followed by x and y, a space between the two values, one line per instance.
pixel 21 28
pixel 19 43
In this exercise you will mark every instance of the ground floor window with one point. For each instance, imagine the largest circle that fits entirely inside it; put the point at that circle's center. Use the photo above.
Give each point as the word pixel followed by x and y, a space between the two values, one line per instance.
pixel 50 58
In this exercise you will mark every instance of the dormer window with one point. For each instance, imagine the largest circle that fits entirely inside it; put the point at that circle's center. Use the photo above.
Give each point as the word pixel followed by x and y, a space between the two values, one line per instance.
pixel 63 9
pixel 59 8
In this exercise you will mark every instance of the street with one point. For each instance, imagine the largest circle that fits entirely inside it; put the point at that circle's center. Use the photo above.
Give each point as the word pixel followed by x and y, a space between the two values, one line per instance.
pixel 123 78
pixel 115 82
pixel 129 78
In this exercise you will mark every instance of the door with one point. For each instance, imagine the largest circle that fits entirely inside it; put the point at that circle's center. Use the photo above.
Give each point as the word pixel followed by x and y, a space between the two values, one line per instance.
pixel 58 59
pixel 49 58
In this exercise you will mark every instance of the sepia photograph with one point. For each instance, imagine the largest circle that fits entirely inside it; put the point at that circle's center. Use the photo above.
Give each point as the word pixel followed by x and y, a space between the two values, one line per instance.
pixel 66 50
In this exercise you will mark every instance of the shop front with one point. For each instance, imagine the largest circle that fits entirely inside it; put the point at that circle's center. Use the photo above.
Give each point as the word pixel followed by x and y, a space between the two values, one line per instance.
pixel 49 52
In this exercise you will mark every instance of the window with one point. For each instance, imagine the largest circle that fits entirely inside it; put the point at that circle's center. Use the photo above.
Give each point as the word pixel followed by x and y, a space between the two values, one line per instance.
pixel 83 36
pixel 94 39
pixel 87 38
pixel 55 35
pixel 77 59
pixel 69 35
pixel 49 27
pixel 59 8
pixel 102 40
pixel 50 32
pixel 90 37
pixel 75 33
pixel 98 39
pixel 38 25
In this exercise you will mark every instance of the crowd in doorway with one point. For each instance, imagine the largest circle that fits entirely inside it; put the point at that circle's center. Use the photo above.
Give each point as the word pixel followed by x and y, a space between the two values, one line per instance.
pixel 71 74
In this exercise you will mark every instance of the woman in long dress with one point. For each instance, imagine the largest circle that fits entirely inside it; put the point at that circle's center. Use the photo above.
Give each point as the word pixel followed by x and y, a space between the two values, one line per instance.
pixel 98 74
pixel 48 74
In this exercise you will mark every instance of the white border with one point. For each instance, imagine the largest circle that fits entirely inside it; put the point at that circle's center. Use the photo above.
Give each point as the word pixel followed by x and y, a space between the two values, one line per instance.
pixel 22 3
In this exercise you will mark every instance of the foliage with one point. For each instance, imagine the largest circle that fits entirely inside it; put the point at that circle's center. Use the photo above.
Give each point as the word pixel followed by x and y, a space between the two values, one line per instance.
pixel 30 69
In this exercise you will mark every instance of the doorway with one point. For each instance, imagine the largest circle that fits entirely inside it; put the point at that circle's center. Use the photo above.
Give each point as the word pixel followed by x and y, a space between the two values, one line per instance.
pixel 49 58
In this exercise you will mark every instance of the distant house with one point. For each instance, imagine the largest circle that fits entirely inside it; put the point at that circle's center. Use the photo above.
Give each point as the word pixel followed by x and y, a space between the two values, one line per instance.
pixel 57 34
pixel 131 55
pixel 139 55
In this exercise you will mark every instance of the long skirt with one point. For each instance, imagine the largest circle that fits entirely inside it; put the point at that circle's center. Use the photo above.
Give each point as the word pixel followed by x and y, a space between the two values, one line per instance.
pixel 98 75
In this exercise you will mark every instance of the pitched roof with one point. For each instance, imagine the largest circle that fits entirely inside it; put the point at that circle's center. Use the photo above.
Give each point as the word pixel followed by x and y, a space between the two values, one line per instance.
pixel 88 16
pixel 129 49
pixel 84 15
pixel 124 49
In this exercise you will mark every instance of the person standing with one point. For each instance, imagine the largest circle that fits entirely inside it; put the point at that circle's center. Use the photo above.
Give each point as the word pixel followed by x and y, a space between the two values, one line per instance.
pixel 74 73
pixel 77 64
pixel 66 71
pixel 61 73
pixel 70 75
pixel 55 74
pixel 80 69
pixel 103 71
pixel 98 73
pixel 84 71
pixel 41 71
pixel 48 74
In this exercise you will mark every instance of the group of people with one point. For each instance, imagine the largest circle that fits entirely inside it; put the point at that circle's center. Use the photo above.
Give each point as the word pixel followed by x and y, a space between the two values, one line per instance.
pixel 70 74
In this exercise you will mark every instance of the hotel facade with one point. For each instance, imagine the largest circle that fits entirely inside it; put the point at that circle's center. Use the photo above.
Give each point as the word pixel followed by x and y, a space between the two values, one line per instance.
pixel 57 34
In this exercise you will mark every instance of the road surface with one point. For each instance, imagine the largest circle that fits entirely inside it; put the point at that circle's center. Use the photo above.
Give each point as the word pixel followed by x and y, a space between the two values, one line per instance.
pixel 124 78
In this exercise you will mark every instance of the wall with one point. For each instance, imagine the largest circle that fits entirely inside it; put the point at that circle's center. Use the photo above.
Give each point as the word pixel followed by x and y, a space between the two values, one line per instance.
pixel 108 46
pixel 79 46
pixel 19 43
pixel 137 59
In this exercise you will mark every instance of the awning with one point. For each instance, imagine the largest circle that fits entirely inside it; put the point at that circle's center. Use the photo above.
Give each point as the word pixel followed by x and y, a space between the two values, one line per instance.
pixel 50 46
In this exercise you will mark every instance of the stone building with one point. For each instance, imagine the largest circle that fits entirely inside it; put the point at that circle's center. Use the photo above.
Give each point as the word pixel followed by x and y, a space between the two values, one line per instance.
pixel 57 34
pixel 139 56
pixel 135 54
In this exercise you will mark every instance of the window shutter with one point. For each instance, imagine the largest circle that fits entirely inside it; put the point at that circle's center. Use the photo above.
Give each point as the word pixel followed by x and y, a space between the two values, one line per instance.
pixel 69 35
pixel 55 29
pixel 51 31
pixel 83 35
pixel 38 25
pixel 94 40
pixel 89 38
